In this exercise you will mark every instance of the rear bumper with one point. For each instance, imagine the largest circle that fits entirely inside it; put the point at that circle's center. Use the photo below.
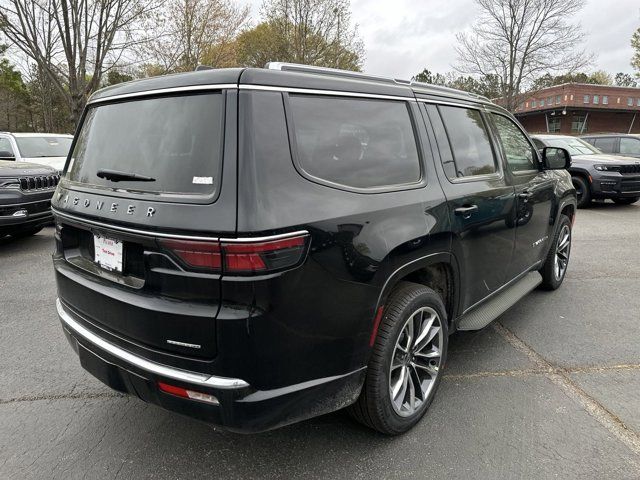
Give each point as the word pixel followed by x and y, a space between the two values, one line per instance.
pixel 240 407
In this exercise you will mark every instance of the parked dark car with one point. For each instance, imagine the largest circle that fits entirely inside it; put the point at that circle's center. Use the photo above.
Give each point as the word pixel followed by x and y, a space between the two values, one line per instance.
pixel 595 175
pixel 25 197
pixel 616 143
pixel 253 247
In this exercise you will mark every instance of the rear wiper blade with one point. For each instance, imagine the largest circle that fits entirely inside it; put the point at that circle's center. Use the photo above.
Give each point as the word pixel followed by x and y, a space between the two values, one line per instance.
pixel 118 176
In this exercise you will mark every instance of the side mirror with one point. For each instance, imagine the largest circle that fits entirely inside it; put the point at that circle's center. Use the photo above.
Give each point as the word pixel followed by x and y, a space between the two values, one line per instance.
pixel 6 155
pixel 555 158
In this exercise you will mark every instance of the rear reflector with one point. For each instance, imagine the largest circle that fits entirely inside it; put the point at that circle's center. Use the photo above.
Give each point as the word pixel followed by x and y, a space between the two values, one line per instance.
pixel 190 394
pixel 240 257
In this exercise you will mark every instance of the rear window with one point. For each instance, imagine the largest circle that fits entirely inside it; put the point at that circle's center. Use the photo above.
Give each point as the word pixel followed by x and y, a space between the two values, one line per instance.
pixel 360 143
pixel 176 141
pixel 40 147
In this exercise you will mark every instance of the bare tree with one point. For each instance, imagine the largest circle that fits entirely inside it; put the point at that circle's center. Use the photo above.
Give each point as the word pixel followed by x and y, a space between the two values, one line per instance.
pixel 519 40
pixel 316 32
pixel 74 42
pixel 195 32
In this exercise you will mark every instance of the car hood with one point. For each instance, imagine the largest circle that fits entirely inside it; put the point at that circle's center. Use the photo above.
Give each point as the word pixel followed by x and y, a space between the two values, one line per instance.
pixel 55 162
pixel 604 158
pixel 10 168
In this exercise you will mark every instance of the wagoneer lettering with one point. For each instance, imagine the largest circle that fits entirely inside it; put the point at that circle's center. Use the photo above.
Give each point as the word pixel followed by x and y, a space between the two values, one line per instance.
pixel 321 235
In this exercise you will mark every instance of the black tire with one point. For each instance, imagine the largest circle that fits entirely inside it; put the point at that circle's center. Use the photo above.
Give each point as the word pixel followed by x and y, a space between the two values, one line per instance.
pixel 374 408
pixel 550 278
pixel 582 191
pixel 626 201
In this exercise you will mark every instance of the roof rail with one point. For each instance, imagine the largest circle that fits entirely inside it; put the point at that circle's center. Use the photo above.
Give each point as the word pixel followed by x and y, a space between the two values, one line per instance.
pixel 444 89
pixel 296 67
pixel 199 68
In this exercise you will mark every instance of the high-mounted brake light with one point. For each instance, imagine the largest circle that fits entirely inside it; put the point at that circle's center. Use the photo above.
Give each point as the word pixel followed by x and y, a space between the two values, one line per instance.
pixel 240 257
pixel 190 394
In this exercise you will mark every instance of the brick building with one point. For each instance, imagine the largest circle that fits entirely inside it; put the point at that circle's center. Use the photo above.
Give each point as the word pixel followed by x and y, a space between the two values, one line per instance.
pixel 575 108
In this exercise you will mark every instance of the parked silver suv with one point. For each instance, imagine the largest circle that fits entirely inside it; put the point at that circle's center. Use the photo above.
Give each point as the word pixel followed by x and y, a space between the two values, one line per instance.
pixel 43 148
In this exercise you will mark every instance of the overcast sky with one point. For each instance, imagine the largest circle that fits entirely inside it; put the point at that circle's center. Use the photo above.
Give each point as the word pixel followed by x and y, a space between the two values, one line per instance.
pixel 402 37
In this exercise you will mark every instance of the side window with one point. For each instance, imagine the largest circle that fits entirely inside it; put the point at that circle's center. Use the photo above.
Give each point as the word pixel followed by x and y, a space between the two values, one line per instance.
pixel 469 139
pixel 5 147
pixel 518 151
pixel 360 143
pixel 629 146
pixel 605 144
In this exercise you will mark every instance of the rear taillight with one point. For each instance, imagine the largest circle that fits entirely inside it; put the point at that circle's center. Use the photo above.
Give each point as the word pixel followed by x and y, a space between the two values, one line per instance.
pixel 240 256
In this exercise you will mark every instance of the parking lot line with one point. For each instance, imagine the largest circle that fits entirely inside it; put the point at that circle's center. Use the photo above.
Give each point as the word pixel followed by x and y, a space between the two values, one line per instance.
pixel 560 378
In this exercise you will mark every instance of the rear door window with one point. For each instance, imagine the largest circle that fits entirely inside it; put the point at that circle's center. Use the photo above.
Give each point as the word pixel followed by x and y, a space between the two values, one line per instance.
pixel 176 141
pixel 629 146
pixel 353 142
pixel 6 150
pixel 470 142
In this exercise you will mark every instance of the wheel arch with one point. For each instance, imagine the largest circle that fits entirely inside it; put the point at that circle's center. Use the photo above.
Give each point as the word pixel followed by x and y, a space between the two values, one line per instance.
pixel 439 271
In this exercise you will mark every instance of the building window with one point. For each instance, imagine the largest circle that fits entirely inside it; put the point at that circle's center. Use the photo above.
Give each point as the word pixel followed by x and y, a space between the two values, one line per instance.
pixel 596 99
pixel 578 124
pixel 618 99
pixel 572 97
pixel 638 102
pixel 630 101
pixel 586 99
pixel 542 102
pixel 605 100
pixel 526 104
pixel 558 99
pixel 554 124
pixel 533 104
pixel 550 101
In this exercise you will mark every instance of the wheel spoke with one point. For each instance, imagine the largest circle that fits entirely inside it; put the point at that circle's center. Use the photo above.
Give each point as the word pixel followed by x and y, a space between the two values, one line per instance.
pixel 433 353
pixel 432 370
pixel 426 335
pixel 412 394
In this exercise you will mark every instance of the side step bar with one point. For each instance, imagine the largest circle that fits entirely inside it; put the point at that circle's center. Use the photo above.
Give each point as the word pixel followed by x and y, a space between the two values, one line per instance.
pixel 488 311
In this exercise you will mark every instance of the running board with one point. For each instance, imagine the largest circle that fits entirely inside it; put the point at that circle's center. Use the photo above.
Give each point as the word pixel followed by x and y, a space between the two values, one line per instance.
pixel 488 311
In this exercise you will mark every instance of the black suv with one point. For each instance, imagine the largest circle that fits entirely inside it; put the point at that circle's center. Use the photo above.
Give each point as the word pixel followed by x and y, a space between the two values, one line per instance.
pixel 253 247
pixel 25 197
pixel 597 175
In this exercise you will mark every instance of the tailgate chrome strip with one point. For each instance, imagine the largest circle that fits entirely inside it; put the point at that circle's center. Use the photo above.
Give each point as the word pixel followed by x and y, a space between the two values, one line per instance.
pixel 147 365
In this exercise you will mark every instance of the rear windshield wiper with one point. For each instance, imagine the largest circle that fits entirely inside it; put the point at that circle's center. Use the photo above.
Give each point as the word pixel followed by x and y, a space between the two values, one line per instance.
pixel 118 176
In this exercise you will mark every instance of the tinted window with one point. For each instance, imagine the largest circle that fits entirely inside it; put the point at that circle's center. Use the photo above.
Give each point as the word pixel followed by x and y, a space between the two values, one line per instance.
pixel 5 146
pixel 34 147
pixel 359 143
pixel 604 144
pixel 517 149
pixel 629 146
pixel 175 140
pixel 469 139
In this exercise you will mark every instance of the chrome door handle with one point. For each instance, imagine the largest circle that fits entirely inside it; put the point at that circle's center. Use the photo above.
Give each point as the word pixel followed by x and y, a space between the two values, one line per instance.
pixel 465 212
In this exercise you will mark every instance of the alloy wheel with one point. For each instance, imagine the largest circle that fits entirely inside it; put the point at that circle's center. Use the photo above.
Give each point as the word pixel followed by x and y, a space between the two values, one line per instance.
pixel 415 364
pixel 563 248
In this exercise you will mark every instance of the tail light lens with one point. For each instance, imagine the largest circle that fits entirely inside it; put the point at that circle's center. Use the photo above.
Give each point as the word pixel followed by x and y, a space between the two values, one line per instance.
pixel 241 257
pixel 190 394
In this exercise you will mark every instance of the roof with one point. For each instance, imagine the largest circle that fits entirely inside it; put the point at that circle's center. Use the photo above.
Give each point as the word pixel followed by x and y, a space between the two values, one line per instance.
pixel 290 76
pixel 38 135
pixel 612 134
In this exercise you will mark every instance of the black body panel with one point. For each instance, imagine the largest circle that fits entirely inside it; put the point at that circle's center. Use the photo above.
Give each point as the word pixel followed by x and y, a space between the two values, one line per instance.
pixel 298 340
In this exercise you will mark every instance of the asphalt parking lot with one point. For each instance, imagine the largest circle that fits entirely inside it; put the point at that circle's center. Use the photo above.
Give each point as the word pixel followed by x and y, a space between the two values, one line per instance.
pixel 552 389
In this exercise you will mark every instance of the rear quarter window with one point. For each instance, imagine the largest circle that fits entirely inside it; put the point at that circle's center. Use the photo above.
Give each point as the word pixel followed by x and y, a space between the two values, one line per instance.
pixel 175 140
pixel 354 142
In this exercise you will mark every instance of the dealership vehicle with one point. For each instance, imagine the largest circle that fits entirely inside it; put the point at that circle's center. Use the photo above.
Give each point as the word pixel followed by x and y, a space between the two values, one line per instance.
pixel 596 175
pixel 25 197
pixel 253 247
pixel 43 148
pixel 616 143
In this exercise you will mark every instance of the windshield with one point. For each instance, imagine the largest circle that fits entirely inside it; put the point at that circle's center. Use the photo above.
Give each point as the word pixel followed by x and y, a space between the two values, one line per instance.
pixel 576 146
pixel 36 147
pixel 176 142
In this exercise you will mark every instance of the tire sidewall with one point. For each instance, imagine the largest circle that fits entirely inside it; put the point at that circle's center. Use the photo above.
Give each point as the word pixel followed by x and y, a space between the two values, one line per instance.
pixel 427 298
pixel 586 193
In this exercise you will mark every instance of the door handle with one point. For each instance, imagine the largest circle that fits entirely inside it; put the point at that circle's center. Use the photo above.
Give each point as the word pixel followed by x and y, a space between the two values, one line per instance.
pixel 465 212
pixel 524 195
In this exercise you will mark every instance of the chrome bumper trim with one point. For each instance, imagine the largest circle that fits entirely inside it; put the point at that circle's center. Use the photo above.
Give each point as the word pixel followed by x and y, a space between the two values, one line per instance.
pixel 156 368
